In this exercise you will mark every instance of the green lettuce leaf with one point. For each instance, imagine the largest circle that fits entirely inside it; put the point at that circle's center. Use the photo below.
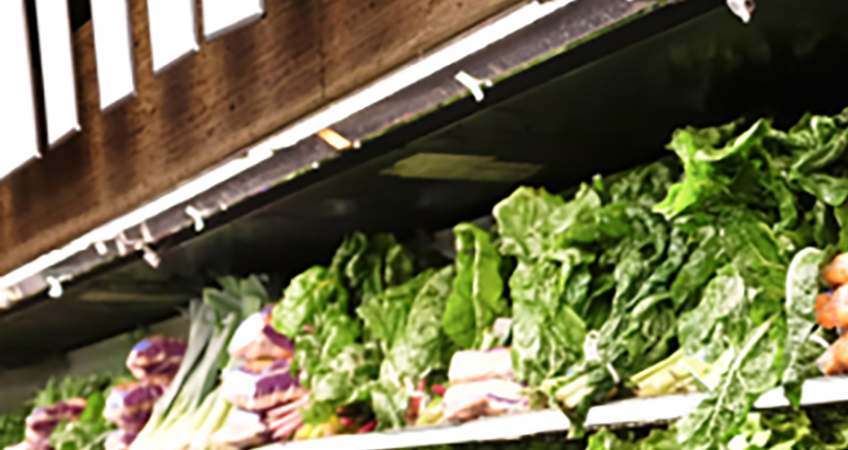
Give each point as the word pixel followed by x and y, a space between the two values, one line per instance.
pixel 476 300
pixel 801 289
pixel 308 294
pixel 721 414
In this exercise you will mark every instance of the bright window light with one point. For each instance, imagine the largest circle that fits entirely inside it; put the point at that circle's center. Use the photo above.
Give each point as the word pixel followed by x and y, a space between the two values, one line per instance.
pixel 173 31
pixel 222 16
pixel 113 45
pixel 57 69
pixel 17 105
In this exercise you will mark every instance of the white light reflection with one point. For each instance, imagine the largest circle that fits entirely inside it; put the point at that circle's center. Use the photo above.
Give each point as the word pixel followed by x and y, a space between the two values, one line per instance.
pixel 17 105
pixel 173 31
pixel 222 16
pixel 113 45
pixel 57 69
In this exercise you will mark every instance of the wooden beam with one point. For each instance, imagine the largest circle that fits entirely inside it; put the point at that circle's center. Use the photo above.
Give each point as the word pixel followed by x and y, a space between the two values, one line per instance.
pixel 236 90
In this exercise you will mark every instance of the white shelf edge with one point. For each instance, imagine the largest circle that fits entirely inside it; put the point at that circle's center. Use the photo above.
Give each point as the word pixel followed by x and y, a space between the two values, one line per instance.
pixel 816 391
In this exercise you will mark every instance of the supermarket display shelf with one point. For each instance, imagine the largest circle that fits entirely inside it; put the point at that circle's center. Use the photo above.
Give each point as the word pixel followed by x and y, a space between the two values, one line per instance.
pixel 646 71
pixel 638 411
pixel 107 287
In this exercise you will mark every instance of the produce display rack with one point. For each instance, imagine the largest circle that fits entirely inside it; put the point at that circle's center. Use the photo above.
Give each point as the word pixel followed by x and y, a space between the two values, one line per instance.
pixel 636 70
pixel 632 412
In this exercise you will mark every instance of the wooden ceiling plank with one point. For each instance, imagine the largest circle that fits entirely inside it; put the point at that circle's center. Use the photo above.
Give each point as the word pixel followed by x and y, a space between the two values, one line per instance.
pixel 237 89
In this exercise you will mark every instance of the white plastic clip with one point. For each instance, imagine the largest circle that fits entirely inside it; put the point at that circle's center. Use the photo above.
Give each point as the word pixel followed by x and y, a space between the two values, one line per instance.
pixel 742 8
pixel 101 248
pixel 197 216
pixel 151 257
pixel 55 284
pixel 474 85
pixel 123 244
pixel 146 235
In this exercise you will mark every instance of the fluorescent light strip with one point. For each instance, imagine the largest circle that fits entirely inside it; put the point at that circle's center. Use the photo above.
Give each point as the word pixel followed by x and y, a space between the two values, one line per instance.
pixel 57 69
pixel 173 31
pixel 222 16
pixel 324 118
pixel 17 104
pixel 114 48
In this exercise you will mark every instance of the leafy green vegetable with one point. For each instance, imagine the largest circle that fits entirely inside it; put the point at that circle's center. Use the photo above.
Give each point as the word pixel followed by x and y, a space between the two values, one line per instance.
pixel 702 162
pixel 477 299
pixel 87 433
pixel 801 289
pixel 367 267
pixel 333 364
pixel 385 316
pixel 547 335
pixel 547 332
pixel 308 294
pixel 748 377
pixel 724 297
pixel 68 388
pixel 12 428
pixel 657 440
pixel 420 348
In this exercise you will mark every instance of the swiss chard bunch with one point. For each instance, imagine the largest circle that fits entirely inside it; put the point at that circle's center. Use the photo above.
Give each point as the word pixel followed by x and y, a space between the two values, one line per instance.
pixel 766 194
pixel 362 326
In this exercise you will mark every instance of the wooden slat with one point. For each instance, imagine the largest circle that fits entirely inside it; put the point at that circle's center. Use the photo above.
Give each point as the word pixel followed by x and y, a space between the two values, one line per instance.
pixel 234 91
